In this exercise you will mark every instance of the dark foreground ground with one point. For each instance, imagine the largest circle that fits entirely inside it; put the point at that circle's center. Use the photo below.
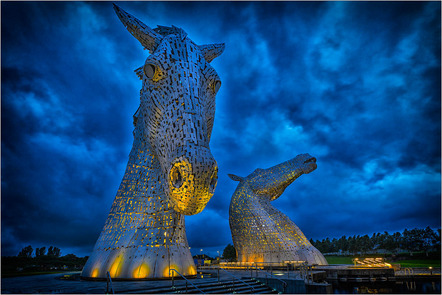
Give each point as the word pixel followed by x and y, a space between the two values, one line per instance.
pixel 70 283
pixel 54 283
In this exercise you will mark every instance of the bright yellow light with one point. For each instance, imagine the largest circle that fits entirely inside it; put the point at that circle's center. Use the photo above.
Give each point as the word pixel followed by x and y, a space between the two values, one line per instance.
pixel 172 273
pixel 95 273
pixel 191 270
pixel 141 272
pixel 115 268
pixel 255 258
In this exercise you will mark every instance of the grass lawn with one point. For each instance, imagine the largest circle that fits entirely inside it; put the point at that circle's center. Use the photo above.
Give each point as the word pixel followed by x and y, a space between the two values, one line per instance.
pixel 29 273
pixel 403 263
pixel 339 259
pixel 419 263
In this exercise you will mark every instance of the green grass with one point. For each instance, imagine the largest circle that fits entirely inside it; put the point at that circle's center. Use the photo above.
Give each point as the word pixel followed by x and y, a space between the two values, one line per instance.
pixel 419 263
pixel 28 273
pixel 339 259
pixel 403 263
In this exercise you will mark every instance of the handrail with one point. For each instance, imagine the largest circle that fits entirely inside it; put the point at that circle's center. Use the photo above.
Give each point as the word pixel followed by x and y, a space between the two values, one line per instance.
pixel 220 268
pixel 305 271
pixel 109 279
pixel 283 282
pixel 173 283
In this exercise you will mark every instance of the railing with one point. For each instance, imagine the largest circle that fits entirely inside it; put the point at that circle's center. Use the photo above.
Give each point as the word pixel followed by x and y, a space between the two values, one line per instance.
pixel 187 281
pixel 284 284
pixel 411 286
pixel 109 281
pixel 305 271
pixel 233 281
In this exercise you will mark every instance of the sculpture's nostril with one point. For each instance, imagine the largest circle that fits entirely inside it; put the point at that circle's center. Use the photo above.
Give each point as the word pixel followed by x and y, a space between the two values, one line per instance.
pixel 213 181
pixel 311 160
pixel 175 177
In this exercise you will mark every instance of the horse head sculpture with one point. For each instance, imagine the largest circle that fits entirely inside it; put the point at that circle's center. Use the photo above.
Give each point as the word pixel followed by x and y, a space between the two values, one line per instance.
pixel 260 232
pixel 171 171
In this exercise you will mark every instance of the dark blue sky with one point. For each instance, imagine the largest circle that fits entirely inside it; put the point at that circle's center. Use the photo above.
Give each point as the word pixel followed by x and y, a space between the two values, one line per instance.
pixel 355 84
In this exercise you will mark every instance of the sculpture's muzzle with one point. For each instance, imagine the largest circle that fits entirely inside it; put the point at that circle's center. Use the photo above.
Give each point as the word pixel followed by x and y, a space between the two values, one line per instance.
pixel 192 182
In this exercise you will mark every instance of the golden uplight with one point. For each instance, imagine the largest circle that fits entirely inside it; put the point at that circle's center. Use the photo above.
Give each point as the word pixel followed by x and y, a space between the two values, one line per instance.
pixel 115 268
pixel 191 270
pixel 141 272
pixel 172 273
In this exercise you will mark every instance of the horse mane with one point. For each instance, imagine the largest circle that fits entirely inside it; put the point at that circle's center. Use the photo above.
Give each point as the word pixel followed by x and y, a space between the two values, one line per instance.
pixel 164 31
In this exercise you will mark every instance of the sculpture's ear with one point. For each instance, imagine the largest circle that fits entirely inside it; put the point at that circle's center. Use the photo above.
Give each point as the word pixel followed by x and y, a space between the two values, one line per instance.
pixel 235 177
pixel 147 37
pixel 139 72
pixel 211 51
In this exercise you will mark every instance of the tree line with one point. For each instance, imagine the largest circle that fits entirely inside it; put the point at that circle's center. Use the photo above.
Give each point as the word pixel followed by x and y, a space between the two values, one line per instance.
pixel 28 251
pixel 42 259
pixel 414 240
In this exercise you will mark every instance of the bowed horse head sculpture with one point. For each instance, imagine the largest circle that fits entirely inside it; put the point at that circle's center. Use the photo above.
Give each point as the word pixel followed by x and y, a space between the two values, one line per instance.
pixel 171 171
pixel 260 232
pixel 271 183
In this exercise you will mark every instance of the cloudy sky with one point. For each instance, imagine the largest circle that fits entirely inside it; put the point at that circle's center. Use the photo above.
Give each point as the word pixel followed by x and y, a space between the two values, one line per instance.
pixel 357 85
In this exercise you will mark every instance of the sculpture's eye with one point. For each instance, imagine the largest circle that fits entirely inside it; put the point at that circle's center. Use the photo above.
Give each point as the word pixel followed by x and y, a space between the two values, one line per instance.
pixel 215 86
pixel 149 70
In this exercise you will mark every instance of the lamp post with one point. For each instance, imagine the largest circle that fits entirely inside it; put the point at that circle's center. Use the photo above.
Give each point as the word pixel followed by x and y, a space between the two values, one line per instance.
pixel 201 257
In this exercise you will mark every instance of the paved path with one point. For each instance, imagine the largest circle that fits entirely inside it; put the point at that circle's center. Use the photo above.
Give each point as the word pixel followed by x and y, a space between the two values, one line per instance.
pixel 49 284
pixel 52 283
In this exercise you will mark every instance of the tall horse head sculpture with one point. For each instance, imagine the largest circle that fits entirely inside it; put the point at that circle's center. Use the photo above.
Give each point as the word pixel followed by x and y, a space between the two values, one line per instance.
pixel 260 232
pixel 171 171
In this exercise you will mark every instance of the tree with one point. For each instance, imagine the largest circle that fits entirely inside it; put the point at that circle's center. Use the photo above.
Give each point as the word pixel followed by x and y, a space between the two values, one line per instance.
pixel 326 245
pixel 40 251
pixel 397 241
pixel 353 244
pixel 428 236
pixel 413 240
pixel 229 253
pixel 365 244
pixel 54 251
pixel 26 252
pixel 436 240
pixel 70 257
pixel 334 245
pixel 343 244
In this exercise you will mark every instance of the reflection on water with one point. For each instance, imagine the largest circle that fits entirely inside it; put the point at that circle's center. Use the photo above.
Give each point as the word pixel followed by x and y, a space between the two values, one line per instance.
pixel 400 287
